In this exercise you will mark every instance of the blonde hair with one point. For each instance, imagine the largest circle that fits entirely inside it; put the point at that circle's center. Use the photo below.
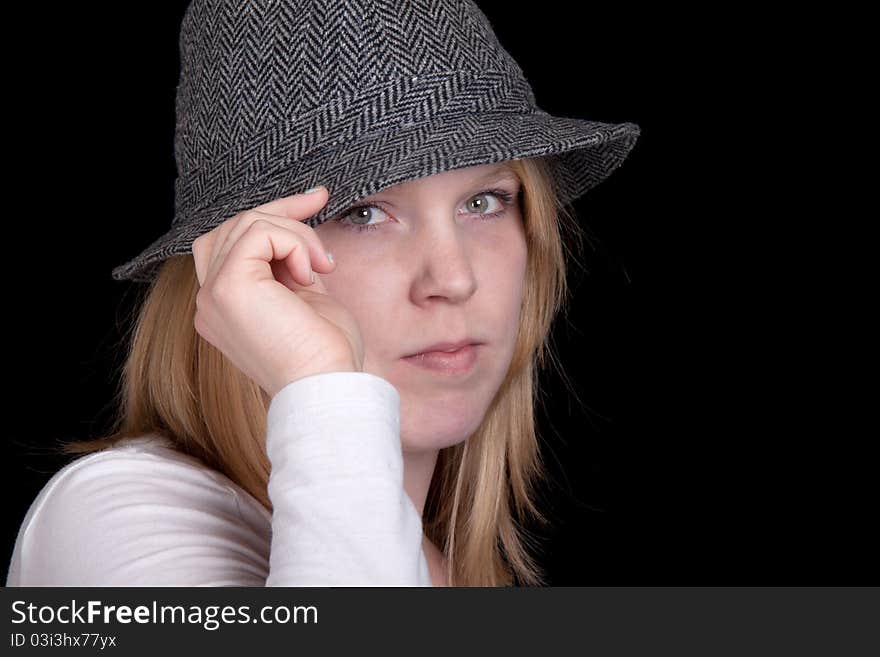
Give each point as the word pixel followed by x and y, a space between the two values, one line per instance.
pixel 483 491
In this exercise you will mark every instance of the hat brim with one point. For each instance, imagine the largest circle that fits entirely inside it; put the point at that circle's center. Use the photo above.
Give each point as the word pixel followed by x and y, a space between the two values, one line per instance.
pixel 587 153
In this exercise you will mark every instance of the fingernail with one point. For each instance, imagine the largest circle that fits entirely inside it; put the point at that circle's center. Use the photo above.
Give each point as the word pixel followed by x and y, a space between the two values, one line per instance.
pixel 313 278
pixel 312 189
pixel 330 257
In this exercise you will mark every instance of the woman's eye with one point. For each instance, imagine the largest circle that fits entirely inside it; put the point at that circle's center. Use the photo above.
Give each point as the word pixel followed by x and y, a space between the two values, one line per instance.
pixel 479 205
pixel 360 217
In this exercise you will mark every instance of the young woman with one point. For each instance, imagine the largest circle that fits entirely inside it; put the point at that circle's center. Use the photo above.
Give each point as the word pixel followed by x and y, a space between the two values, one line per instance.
pixel 336 388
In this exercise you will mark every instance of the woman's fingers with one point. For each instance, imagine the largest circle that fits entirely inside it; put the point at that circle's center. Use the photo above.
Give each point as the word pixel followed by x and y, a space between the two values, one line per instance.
pixel 310 253
pixel 249 257
pixel 212 248
pixel 265 249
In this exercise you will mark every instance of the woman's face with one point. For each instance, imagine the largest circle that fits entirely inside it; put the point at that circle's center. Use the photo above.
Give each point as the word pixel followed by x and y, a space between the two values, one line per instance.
pixel 434 266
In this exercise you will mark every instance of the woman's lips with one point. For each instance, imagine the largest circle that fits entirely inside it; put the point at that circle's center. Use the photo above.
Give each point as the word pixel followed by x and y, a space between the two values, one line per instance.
pixel 460 361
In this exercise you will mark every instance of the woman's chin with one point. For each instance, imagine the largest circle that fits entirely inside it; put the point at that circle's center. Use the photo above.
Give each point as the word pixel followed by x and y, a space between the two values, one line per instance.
pixel 426 425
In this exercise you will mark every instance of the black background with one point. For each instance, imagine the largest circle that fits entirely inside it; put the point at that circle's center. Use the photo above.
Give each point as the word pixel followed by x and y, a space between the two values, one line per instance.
pixel 714 440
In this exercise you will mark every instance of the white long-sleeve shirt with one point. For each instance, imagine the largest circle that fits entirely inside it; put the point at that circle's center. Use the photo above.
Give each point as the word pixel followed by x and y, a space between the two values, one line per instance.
pixel 142 513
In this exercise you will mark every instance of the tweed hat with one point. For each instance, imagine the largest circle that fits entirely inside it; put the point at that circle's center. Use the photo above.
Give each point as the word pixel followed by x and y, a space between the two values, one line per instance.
pixel 277 96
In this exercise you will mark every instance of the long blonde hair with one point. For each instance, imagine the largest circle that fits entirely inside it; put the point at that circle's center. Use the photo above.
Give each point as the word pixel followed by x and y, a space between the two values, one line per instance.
pixel 483 491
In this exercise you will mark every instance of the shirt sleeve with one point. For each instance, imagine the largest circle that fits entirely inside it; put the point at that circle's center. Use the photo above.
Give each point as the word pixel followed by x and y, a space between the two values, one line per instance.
pixel 138 516
pixel 341 514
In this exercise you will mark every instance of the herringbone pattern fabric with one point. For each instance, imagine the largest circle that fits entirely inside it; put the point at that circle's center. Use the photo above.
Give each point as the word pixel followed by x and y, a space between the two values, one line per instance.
pixel 276 96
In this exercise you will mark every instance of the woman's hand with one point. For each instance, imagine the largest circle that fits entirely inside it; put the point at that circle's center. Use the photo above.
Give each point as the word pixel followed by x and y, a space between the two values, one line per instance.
pixel 256 302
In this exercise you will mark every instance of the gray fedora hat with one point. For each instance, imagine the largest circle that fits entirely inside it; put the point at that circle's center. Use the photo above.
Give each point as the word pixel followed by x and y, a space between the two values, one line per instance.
pixel 277 96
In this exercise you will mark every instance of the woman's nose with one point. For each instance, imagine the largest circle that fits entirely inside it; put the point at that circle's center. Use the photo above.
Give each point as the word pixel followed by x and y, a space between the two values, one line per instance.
pixel 444 264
